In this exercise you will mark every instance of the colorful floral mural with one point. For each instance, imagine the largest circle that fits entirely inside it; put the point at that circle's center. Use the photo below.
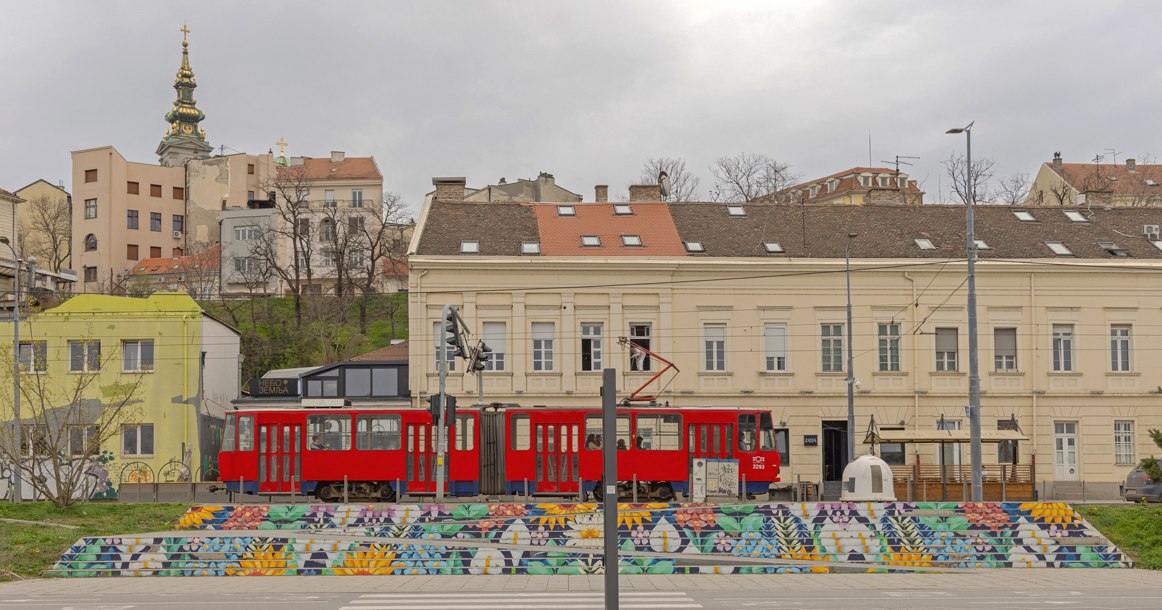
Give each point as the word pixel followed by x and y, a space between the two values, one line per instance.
pixel 567 539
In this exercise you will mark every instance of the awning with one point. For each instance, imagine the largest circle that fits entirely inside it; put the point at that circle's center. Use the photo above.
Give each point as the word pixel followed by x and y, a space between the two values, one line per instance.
pixel 877 435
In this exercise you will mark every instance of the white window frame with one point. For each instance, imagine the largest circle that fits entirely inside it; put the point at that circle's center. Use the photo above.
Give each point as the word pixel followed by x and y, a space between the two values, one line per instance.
pixel 590 241
pixel 947 361
pixel 356 198
pixel 566 210
pixel 1075 216
pixel 773 247
pixel 1063 348
pixel 1121 346
pixel 632 241
pixel 888 347
pixel 495 337
pixel 30 360
pixel 1124 442
pixel 90 209
pixel 694 246
pixel 1005 363
pixel 1059 248
pixel 714 346
pixel 89 364
pixel 622 209
pixel 469 246
pixel 328 198
pixel 1024 216
pixel 132 356
pixel 246 233
pixel 530 248
pixel 775 348
pixel 736 210
pixel 982 245
pixel 592 345
pixel 924 243
pixel 640 361
pixel 88 435
pixel 137 440
pixel 831 347
pixel 543 335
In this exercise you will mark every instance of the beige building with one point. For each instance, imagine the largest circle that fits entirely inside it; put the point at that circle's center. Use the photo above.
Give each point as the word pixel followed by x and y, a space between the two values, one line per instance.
pixel 854 186
pixel 1073 184
pixel 45 224
pixel 543 188
pixel 748 301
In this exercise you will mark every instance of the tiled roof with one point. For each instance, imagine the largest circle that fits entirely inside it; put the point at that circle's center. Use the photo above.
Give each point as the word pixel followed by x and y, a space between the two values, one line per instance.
pixel 651 222
pixel 398 351
pixel 847 182
pixel 10 196
pixel 351 168
pixel 1117 179
pixel 204 261
pixel 814 231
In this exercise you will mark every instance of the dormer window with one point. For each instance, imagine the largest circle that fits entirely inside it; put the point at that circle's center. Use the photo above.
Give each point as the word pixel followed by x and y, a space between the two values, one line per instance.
pixel 1112 248
pixel 566 210
pixel 814 190
pixel 865 180
pixel 773 247
pixel 631 240
pixel 694 246
pixel 925 244
pixel 469 247
pixel 982 245
pixel 902 183
pixel 622 209
pixel 882 180
pixel 736 210
pixel 1059 248
pixel 1024 216
pixel 530 247
pixel 590 241
pixel 1075 216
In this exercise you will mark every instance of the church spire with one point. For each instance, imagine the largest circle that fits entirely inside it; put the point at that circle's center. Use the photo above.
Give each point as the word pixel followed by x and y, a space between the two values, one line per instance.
pixel 184 140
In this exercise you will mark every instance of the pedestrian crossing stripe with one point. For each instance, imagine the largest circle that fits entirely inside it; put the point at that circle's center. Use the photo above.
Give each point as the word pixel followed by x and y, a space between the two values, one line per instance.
pixel 519 600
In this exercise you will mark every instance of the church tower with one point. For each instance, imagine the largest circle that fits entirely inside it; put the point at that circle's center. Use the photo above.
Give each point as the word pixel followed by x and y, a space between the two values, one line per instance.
pixel 184 140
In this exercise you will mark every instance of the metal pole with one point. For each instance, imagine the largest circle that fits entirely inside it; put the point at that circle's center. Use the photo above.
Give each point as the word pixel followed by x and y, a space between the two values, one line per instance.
pixel 609 480
pixel 17 494
pixel 480 388
pixel 973 369
pixel 442 443
pixel 850 369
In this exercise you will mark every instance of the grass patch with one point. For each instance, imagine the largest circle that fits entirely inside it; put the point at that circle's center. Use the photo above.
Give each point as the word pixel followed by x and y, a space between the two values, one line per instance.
pixel 1134 528
pixel 29 550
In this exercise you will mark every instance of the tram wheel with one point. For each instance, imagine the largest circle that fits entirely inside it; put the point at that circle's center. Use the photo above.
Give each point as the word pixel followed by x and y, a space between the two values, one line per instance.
pixel 597 491
pixel 327 493
pixel 665 492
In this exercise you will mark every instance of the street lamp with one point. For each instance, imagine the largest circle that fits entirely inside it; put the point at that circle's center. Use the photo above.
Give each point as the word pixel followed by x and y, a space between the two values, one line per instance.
pixel 16 272
pixel 850 370
pixel 973 369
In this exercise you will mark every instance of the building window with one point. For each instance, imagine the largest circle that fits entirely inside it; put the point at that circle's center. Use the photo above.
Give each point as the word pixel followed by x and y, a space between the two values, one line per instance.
pixel 622 209
pixel 155 190
pixel 542 346
pixel 356 198
pixel 133 188
pixel 327 230
pixel 714 346
pixel 694 246
pixel 246 233
pixel 90 175
pixel 137 356
pixel 84 356
pixel 245 265
pixel 179 223
pixel 90 242
pixel 530 247
pixel 566 210
pixel 1024 216
pixel 327 257
pixel 155 252
pixel 1075 216
pixel 1124 442
pixel 250 195
pixel 1005 349
pixel 131 252
pixel 441 343
pixel 355 225
pixel 1062 348
pixel 946 349
pixel 893 453
pixel 329 198
pixel 35 441
pixel 775 348
pixel 591 347
pixel 590 241
pixel 889 346
pixel 137 439
pixel 1059 248
pixel 250 169
pixel 494 337
pixel 1120 347
pixel 90 209
pixel 925 244
pixel 469 246
pixel 33 356
pixel 304 228
pixel 90 274
pixel 179 193
pixel 865 180
pixel 773 247
pixel 639 336
pixel 631 240
pixel 83 440
pixel 901 183
pixel 155 221
pixel 131 219
pixel 832 347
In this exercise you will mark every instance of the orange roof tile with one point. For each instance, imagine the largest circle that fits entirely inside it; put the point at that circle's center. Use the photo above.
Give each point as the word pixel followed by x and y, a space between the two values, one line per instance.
pixel 351 168
pixel 848 182
pixel 206 260
pixel 561 235
pixel 1116 179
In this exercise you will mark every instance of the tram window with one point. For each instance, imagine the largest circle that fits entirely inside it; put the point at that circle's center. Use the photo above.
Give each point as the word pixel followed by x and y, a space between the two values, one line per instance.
pixel 329 432
pixel 379 432
pixel 594 428
pixel 246 433
pixel 767 440
pixel 747 430
pixel 783 442
pixel 623 438
pixel 660 431
pixel 520 434
pixel 465 433
pixel 228 434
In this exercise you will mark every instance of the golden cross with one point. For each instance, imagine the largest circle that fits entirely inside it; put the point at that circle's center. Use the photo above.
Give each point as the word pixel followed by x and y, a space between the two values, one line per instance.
pixel 281 144
pixel 184 30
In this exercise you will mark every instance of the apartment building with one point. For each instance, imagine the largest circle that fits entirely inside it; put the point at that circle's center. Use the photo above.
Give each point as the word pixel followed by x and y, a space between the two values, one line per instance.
pixel 1073 184
pixel 854 186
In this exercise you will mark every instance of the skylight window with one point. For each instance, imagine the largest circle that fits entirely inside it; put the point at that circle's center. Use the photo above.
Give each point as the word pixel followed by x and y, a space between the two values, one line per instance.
pixel 736 210
pixel 622 209
pixel 982 245
pixel 1157 243
pixel 631 240
pixel 1024 216
pixel 1150 182
pixel 590 241
pixel 1112 248
pixel 694 246
pixel 1059 248
pixel 566 210
pixel 1075 216
pixel 925 244
pixel 773 247
pixel 530 247
pixel 470 247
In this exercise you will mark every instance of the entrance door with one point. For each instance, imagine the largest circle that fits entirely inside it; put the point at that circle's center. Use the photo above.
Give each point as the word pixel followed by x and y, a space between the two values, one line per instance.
pixel 1065 445
pixel 421 458
pixel 835 456
pixel 557 457
pixel 278 457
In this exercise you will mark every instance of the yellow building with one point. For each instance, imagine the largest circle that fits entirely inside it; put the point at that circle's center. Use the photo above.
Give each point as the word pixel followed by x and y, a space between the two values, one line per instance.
pixel 186 363
pixel 1130 184
pixel 749 301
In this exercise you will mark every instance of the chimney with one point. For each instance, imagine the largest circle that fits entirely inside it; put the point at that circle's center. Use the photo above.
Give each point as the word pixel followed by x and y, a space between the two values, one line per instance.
pixel 601 193
pixel 1131 165
pixel 544 181
pixel 450 189
pixel 1057 161
pixel 645 192
pixel 337 156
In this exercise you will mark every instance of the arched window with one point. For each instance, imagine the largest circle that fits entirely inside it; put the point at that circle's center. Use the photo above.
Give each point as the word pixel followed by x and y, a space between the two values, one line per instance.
pixel 90 242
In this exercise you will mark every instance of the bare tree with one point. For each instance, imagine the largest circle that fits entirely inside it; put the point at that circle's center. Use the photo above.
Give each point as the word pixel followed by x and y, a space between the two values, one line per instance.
pixel 67 422
pixel 1143 186
pixel 683 184
pixel 982 173
pixel 378 250
pixel 1013 189
pixel 747 176
pixel 49 224
pixel 289 233
pixel 1062 193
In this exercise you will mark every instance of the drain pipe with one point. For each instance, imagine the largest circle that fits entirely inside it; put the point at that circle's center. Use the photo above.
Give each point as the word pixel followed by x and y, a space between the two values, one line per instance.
pixel 912 347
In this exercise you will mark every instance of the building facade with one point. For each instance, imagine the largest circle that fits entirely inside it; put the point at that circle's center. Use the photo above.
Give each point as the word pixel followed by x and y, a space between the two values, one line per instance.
pixel 195 274
pixel 854 186
pixel 45 224
pixel 749 302
pixel 1130 184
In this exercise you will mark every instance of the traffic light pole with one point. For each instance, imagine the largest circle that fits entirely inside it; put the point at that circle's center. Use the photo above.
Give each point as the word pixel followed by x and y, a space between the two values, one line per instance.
pixel 442 435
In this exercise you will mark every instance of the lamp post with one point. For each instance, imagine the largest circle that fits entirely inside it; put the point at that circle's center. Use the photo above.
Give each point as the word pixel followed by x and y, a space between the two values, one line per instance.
pixel 973 369
pixel 16 273
pixel 850 369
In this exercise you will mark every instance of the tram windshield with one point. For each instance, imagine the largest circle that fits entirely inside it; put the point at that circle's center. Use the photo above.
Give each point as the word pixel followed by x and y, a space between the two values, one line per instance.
pixel 766 432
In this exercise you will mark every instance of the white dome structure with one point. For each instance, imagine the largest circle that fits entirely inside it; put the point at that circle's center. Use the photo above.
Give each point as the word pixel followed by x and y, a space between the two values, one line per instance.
pixel 868 479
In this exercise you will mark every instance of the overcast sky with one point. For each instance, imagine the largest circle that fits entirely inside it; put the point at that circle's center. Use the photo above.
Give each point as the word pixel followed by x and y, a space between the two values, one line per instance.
pixel 586 90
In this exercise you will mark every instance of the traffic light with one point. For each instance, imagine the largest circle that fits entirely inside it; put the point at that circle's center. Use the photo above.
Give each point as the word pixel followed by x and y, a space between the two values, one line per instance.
pixel 451 408
pixel 452 334
pixel 434 407
pixel 480 358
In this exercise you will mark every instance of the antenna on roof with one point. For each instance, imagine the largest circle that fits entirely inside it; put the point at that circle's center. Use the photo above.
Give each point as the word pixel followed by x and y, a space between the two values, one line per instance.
pixel 664 183
pixel 1113 153
pixel 898 162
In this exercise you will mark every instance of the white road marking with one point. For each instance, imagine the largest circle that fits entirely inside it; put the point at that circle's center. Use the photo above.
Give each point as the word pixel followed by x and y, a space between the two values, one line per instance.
pixel 517 600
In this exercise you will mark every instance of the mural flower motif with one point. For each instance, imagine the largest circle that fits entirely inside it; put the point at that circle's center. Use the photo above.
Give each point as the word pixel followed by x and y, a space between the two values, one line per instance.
pixel 635 514
pixel 555 515
pixel 584 531
pixel 665 538
pixel 1049 512
pixel 508 510
pixel 988 515
pixel 196 516
pixel 752 544
pixel 539 536
pixel 367 563
pixel 405 513
pixel 640 535
pixel 245 518
pixel 723 542
pixel 696 518
pixel 268 562
pixel 487 561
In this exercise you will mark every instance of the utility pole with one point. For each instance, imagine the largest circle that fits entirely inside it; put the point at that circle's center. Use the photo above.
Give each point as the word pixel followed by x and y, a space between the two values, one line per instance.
pixel 17 494
pixel 609 480
pixel 850 367
pixel 442 435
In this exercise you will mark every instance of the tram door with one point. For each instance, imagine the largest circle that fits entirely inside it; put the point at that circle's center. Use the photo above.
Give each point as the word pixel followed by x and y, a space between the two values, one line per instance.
pixel 279 458
pixel 421 459
pixel 557 457
pixel 711 441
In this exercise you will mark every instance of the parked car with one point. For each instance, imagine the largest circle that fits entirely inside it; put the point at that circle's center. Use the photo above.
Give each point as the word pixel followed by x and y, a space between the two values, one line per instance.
pixel 1138 487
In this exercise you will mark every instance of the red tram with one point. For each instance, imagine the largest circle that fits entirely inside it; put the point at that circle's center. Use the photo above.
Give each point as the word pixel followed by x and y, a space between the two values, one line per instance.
pixel 495 450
